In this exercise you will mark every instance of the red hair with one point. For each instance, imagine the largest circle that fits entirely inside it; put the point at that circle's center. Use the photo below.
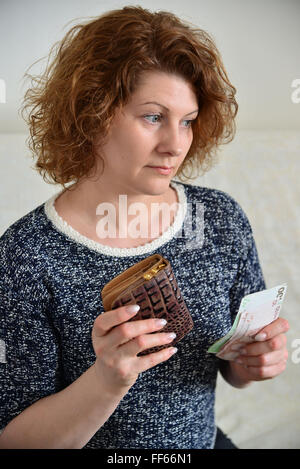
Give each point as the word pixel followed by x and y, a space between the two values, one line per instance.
pixel 96 68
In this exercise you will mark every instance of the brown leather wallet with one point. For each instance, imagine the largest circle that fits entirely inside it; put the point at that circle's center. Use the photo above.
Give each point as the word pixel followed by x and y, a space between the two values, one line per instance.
pixel 152 285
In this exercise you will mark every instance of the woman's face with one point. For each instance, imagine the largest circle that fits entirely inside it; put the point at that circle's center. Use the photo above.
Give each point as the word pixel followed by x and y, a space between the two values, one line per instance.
pixel 153 129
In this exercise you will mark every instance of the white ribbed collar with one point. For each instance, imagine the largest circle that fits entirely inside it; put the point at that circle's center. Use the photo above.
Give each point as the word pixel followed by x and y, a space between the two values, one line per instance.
pixel 65 228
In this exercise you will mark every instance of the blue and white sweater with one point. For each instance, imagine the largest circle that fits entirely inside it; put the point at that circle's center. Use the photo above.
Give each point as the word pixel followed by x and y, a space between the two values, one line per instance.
pixel 51 277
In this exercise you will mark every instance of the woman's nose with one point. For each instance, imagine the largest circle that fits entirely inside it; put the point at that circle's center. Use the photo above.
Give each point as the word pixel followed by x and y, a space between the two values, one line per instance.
pixel 170 142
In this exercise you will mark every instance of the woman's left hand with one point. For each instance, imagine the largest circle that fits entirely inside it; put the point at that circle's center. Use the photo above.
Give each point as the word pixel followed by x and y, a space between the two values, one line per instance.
pixel 266 357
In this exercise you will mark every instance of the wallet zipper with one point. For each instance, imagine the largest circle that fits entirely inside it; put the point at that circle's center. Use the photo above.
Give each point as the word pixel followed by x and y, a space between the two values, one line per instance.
pixel 152 272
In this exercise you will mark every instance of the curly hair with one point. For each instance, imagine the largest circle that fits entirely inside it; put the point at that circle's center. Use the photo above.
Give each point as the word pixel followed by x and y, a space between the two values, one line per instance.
pixel 96 68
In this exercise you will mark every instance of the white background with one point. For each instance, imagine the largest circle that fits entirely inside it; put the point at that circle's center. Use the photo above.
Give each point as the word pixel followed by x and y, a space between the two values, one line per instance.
pixel 260 45
pixel 259 42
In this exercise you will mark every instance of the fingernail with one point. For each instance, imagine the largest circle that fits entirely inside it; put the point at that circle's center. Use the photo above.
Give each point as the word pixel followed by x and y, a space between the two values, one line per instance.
pixel 260 337
pixel 160 322
pixel 172 335
pixel 132 309
pixel 173 350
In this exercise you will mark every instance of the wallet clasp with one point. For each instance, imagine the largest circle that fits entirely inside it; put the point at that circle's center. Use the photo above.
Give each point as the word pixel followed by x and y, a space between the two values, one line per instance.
pixel 154 271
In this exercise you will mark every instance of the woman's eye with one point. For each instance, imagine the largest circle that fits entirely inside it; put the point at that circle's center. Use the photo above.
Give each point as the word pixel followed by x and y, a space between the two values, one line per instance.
pixel 189 122
pixel 153 118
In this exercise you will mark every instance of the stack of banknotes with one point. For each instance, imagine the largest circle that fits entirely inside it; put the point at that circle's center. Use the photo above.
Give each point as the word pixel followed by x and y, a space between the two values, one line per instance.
pixel 256 311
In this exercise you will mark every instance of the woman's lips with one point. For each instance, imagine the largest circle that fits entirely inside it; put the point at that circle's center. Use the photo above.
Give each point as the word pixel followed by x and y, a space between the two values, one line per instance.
pixel 161 169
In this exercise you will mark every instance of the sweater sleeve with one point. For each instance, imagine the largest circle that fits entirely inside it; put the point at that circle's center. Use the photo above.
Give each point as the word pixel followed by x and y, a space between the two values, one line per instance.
pixel 30 365
pixel 249 278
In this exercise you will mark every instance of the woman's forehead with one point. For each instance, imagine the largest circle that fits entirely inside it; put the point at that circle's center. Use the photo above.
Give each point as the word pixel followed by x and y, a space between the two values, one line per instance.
pixel 164 88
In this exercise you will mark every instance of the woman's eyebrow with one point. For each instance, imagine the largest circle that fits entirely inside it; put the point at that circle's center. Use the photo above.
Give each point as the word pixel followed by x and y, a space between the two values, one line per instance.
pixel 167 109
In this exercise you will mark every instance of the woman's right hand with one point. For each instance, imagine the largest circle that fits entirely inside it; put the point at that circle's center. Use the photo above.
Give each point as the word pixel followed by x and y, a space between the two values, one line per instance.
pixel 117 342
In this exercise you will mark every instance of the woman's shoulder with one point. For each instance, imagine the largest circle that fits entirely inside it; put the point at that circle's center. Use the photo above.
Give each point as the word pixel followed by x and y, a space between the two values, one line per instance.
pixel 223 216
pixel 24 261
pixel 21 242
pixel 215 201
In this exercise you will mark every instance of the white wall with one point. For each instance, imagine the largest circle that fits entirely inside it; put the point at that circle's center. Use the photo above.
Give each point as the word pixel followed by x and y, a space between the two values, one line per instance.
pixel 260 44
pixel 259 41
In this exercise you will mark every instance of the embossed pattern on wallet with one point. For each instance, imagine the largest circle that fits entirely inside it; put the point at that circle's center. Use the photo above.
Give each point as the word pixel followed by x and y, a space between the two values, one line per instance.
pixel 152 285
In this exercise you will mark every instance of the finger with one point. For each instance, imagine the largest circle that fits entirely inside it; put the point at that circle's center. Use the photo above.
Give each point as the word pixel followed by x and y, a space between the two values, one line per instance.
pixel 267 359
pixel 129 330
pixel 148 361
pixel 106 321
pixel 258 348
pixel 279 326
pixel 258 373
pixel 146 341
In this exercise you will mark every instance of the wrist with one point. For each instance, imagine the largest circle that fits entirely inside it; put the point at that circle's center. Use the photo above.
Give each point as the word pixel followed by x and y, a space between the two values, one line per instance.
pixel 235 374
pixel 108 390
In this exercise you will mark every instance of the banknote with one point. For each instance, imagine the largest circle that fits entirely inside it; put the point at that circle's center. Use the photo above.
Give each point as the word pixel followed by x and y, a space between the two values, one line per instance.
pixel 256 311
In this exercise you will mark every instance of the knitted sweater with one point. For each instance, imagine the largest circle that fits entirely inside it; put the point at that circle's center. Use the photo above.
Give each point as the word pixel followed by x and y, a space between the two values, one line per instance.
pixel 51 277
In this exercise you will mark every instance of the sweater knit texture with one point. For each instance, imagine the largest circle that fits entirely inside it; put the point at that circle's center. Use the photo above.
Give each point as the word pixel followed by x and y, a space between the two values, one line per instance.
pixel 51 279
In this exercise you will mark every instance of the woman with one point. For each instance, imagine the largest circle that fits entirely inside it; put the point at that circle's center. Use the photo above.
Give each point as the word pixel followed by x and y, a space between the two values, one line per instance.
pixel 131 99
